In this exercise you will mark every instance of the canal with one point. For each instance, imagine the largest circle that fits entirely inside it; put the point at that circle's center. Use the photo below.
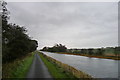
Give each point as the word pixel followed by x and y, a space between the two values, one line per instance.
pixel 96 67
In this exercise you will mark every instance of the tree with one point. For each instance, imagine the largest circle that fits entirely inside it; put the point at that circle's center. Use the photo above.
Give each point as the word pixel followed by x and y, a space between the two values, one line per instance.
pixel 56 48
pixel 117 51
pixel 100 51
pixel 33 45
pixel 44 49
pixel 90 51
pixel 59 48
pixel 83 51
pixel 15 42
pixel 5 27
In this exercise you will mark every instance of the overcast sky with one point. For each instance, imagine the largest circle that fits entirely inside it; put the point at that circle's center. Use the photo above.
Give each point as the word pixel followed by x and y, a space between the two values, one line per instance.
pixel 74 24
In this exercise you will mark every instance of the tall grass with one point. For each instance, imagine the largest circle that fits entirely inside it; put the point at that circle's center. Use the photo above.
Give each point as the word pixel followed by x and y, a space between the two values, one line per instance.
pixel 18 68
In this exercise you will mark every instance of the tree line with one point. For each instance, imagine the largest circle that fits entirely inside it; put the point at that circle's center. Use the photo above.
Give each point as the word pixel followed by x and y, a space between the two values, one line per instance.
pixel 90 51
pixel 96 51
pixel 15 42
pixel 55 48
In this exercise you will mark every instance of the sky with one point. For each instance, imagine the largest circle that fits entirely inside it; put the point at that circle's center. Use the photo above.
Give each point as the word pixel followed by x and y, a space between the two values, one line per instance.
pixel 74 24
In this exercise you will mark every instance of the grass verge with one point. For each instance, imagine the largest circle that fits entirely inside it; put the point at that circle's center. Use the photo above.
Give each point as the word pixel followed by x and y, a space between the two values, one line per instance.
pixel 56 71
pixel 18 68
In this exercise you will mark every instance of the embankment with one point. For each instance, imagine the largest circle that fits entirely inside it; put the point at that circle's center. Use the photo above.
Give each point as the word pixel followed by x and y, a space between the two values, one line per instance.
pixel 17 68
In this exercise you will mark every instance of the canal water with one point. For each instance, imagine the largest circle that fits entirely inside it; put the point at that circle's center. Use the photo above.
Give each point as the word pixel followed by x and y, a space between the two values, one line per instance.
pixel 96 67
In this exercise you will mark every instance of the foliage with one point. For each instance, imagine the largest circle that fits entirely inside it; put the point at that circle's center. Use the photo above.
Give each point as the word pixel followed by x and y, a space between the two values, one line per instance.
pixel 117 51
pixel 56 48
pixel 15 42
pixel 17 68
pixel 96 51
pixel 108 51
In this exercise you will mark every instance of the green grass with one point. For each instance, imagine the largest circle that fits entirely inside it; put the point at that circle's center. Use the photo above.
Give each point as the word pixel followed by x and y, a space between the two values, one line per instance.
pixel 56 71
pixel 18 68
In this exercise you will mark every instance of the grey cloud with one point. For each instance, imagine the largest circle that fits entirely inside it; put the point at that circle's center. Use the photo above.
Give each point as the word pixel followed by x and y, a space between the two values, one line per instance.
pixel 73 24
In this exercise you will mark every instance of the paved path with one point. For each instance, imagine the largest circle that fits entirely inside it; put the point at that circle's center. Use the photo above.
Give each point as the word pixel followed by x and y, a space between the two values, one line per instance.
pixel 38 69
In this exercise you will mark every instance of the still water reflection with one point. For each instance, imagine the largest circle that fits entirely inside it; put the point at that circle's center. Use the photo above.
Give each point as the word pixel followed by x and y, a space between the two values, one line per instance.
pixel 98 68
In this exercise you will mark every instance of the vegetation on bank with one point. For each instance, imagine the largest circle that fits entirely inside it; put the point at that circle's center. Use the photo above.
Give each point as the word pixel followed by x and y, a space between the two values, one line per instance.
pixel 56 71
pixel 17 68
pixel 15 41
pixel 16 47
pixel 107 53
pixel 55 48
pixel 93 56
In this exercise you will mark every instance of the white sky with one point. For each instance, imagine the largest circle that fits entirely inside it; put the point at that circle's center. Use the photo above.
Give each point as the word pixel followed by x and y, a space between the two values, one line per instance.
pixel 62 0
pixel 74 24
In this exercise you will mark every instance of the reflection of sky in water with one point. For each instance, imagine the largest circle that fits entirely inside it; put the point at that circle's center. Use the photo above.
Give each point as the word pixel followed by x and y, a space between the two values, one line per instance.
pixel 99 68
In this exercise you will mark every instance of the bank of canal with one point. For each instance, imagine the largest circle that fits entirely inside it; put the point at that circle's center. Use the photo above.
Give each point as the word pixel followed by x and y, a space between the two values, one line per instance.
pixel 98 68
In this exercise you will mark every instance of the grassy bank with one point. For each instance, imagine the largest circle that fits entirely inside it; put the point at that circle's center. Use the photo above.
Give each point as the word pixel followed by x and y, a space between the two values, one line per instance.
pixel 18 68
pixel 56 71
pixel 93 56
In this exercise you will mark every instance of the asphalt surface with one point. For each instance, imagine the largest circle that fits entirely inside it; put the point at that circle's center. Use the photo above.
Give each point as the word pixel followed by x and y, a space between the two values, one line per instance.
pixel 38 69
